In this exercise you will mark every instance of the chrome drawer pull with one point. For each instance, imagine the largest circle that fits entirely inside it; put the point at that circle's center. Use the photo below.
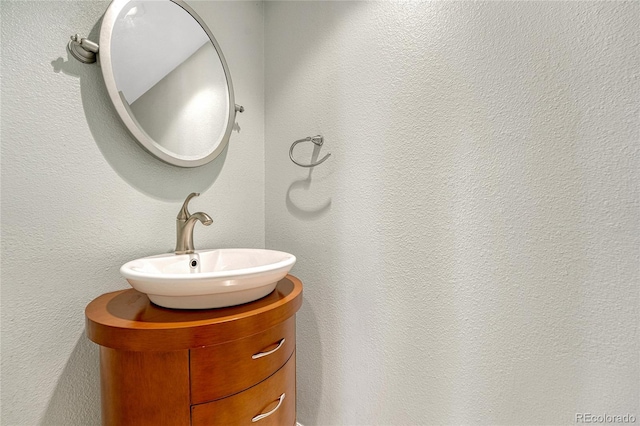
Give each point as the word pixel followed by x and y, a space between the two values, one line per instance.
pixel 262 416
pixel 261 354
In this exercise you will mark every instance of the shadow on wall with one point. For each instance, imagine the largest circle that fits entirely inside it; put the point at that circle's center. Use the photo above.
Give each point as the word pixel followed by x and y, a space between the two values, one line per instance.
pixel 300 211
pixel 78 386
pixel 123 153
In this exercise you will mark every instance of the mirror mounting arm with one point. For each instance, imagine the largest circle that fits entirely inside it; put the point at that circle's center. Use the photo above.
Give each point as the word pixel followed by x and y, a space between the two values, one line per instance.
pixel 239 108
pixel 83 49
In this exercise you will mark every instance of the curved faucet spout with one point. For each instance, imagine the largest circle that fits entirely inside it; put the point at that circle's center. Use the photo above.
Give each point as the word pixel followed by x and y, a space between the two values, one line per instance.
pixel 204 218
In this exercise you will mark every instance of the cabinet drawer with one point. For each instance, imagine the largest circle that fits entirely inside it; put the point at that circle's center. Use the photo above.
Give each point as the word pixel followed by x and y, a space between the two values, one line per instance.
pixel 273 400
pixel 226 369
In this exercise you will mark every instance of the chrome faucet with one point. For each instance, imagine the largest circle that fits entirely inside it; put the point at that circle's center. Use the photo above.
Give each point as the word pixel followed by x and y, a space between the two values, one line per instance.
pixel 185 222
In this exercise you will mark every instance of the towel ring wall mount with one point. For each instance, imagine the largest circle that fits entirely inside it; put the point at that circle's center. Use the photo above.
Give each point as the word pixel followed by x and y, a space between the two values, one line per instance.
pixel 318 141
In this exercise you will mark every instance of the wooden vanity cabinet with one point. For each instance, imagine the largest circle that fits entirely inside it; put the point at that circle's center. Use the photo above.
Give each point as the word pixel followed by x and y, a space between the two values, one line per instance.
pixel 225 366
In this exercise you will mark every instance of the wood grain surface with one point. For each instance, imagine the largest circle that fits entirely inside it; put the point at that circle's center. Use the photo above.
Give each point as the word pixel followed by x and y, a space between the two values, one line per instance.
pixel 144 388
pixel 128 320
pixel 239 409
pixel 222 370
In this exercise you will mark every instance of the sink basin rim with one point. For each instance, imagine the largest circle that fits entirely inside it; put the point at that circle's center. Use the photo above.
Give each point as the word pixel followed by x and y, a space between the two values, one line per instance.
pixel 129 273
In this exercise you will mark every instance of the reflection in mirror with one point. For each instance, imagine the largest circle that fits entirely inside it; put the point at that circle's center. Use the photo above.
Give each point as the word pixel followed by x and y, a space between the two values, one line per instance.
pixel 168 79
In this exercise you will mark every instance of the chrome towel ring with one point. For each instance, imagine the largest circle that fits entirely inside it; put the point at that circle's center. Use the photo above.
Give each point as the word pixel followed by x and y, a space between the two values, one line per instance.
pixel 317 140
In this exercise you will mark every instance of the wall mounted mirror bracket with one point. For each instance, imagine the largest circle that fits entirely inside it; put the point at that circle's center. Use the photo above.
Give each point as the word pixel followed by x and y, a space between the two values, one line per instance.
pixel 84 50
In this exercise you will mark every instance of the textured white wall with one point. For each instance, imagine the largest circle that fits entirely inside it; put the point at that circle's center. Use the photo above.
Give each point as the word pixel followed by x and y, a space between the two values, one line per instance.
pixel 470 251
pixel 79 197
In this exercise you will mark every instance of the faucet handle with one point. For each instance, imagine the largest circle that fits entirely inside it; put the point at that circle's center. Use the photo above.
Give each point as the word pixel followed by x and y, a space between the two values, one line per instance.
pixel 184 214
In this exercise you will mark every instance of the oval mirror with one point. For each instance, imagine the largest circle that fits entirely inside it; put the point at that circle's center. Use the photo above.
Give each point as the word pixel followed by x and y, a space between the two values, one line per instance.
pixel 168 79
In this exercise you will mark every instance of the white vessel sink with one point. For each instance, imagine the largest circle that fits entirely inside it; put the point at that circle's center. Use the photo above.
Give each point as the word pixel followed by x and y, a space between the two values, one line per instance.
pixel 208 278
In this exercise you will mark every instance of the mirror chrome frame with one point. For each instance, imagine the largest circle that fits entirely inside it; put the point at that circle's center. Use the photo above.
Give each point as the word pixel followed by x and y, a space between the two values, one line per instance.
pixel 122 107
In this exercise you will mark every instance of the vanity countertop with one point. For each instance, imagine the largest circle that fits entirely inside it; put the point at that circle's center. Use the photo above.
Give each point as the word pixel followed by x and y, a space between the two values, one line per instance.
pixel 127 320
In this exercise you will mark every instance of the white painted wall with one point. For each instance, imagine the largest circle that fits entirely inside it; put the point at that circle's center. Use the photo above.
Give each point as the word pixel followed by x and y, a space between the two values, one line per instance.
pixel 80 197
pixel 470 251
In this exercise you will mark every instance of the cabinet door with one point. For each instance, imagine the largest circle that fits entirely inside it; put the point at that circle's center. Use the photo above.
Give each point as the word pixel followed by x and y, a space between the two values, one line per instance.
pixel 144 388
pixel 271 402
pixel 226 369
